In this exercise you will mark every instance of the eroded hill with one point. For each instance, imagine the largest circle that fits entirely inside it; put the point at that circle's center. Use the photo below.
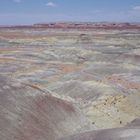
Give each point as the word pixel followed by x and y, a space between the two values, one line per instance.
pixel 61 81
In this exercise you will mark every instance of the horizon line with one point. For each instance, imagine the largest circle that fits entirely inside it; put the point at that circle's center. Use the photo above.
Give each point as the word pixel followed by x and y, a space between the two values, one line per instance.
pixel 49 22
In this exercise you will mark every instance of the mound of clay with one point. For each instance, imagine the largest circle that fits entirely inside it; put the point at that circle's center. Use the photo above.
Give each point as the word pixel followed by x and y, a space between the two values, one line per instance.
pixel 28 113
pixel 75 89
pixel 135 123
pixel 129 133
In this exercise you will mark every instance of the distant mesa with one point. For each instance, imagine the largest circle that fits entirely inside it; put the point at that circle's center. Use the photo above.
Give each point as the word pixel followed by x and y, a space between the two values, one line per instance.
pixel 89 25
pixel 81 25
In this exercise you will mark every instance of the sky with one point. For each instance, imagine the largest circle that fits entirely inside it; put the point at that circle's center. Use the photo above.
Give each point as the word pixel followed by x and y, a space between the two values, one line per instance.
pixel 15 12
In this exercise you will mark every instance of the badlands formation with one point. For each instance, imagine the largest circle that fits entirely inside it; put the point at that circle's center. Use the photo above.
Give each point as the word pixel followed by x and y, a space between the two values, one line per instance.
pixel 70 81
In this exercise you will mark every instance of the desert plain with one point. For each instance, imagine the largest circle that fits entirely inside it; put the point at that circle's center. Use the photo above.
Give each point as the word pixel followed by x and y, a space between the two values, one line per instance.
pixel 70 81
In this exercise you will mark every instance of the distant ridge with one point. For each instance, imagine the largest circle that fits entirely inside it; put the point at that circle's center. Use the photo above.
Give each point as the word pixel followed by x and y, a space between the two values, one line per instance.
pixel 81 25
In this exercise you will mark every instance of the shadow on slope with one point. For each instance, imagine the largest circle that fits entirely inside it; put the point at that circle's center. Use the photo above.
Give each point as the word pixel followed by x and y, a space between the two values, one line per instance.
pixel 131 132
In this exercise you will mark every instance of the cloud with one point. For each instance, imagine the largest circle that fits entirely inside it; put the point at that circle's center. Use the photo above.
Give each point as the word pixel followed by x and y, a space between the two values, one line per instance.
pixel 17 1
pixel 134 13
pixel 136 8
pixel 51 4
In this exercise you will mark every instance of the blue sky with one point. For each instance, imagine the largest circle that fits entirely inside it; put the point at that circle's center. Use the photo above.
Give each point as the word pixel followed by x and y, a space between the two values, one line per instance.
pixel 36 11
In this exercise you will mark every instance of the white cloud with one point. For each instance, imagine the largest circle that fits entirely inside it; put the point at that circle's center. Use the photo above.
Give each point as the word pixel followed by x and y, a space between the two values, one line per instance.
pixel 51 4
pixel 134 13
pixel 136 8
pixel 17 1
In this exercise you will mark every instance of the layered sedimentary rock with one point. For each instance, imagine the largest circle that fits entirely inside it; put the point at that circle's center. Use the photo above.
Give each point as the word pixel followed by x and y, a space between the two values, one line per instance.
pixel 89 25
pixel 56 70
pixel 80 25
pixel 27 112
